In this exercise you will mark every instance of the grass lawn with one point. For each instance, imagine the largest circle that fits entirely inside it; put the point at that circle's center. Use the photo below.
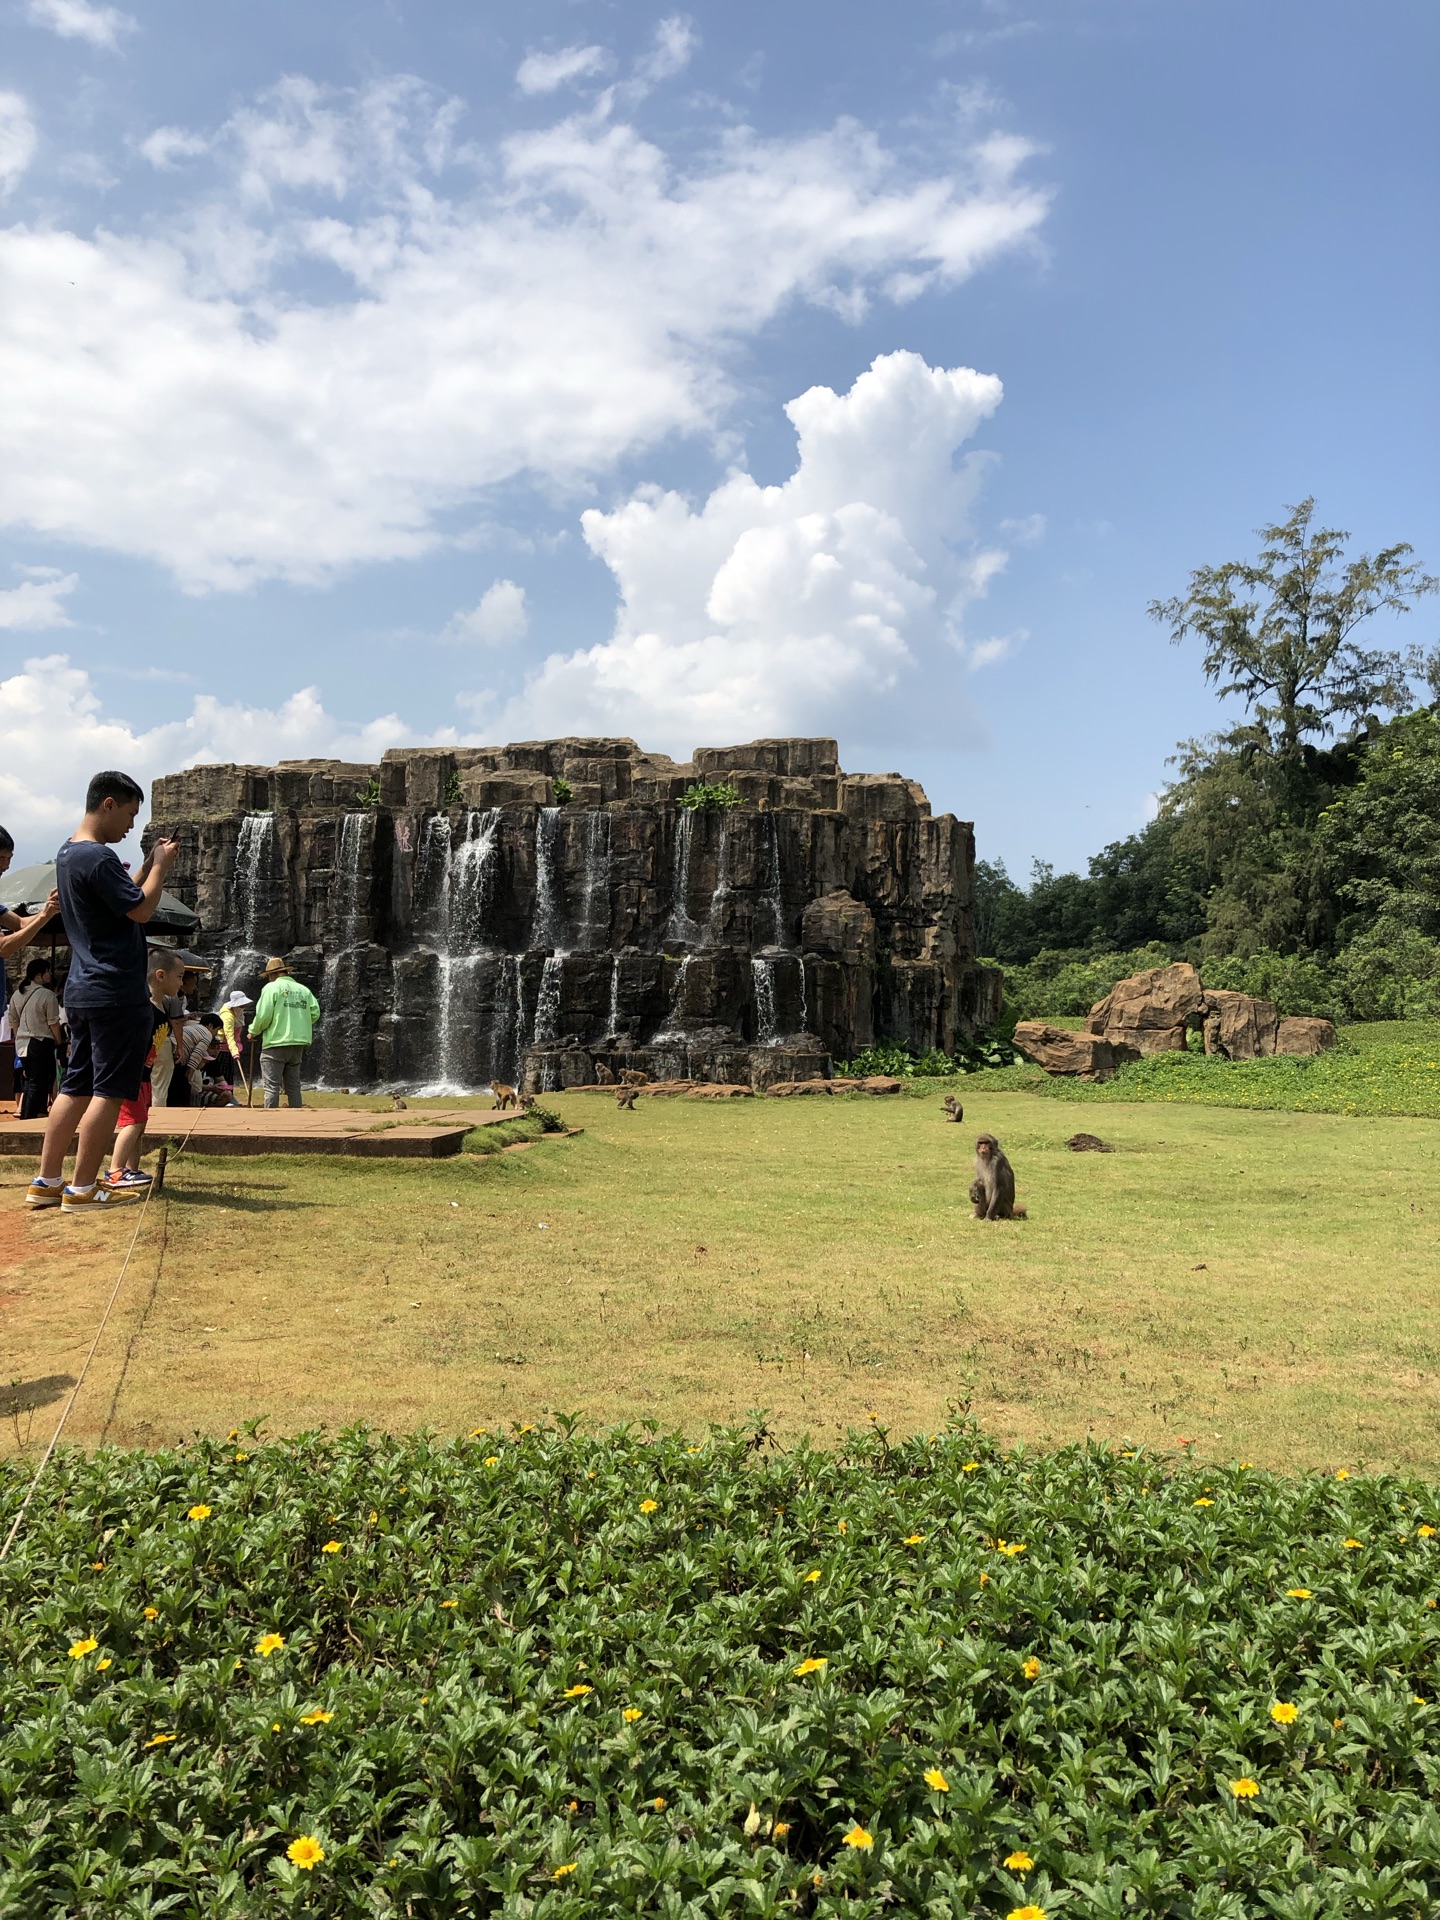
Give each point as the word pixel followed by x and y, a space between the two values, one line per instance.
pixel 1262 1283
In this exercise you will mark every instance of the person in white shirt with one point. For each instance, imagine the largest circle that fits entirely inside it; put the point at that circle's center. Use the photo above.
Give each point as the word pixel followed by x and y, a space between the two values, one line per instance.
pixel 35 1023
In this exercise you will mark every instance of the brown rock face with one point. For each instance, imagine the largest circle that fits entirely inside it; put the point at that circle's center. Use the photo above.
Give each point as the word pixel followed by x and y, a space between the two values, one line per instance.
pixel 1238 1027
pixel 459 925
pixel 1057 1050
pixel 1303 1033
pixel 1149 1012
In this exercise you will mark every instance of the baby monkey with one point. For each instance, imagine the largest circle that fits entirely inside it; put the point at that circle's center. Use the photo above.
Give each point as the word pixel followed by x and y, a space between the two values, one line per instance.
pixel 993 1191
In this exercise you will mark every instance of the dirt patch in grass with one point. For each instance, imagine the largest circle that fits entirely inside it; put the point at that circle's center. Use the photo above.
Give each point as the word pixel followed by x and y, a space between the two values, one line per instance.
pixel 1243 1280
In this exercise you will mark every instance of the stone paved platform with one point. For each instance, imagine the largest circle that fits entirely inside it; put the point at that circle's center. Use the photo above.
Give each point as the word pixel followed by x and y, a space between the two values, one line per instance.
pixel 427 1134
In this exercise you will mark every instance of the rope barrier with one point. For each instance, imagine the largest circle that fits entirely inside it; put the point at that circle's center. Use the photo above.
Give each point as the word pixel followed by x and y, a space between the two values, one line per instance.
pixel 85 1366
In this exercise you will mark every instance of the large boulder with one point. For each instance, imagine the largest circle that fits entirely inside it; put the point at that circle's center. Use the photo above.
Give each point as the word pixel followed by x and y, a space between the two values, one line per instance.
pixel 1057 1050
pixel 1304 1033
pixel 1150 1011
pixel 1238 1027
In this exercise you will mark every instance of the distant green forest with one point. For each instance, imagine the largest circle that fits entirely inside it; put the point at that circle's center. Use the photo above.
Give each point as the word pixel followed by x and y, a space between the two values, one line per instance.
pixel 1295 856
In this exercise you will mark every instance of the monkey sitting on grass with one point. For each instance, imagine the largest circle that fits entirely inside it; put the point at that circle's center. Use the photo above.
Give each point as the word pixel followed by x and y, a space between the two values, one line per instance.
pixel 993 1191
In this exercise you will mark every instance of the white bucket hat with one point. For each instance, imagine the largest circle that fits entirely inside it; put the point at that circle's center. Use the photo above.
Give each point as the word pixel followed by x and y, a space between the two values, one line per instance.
pixel 238 999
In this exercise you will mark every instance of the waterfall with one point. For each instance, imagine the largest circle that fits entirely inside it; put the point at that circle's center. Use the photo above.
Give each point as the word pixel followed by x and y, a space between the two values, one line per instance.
pixel 595 914
pixel 547 1002
pixel 548 931
pixel 673 1029
pixel 804 1009
pixel 342 1040
pixel 720 897
pixel 764 1001
pixel 682 928
pixel 251 911
pixel 505 1021
pixel 771 899
pixel 614 1026
pixel 466 892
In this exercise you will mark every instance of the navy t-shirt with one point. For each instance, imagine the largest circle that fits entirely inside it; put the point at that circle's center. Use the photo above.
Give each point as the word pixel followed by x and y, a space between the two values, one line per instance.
pixel 107 950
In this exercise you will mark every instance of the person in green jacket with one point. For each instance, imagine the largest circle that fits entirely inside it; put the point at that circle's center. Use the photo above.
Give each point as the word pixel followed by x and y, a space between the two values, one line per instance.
pixel 285 1017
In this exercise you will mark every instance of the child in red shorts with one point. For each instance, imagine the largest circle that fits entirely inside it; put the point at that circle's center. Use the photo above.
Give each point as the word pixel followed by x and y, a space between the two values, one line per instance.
pixel 166 976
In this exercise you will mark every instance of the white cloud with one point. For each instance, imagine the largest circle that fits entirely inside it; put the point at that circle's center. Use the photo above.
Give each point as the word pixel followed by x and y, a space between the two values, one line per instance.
pixel 36 603
pixel 56 736
pixel 81 20
pixel 17 139
pixel 168 145
pixel 821 605
pixel 670 52
pixel 500 618
pixel 544 309
pixel 544 72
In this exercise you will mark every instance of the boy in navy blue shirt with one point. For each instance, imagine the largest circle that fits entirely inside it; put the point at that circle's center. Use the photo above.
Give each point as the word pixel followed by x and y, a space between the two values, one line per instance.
pixel 107 993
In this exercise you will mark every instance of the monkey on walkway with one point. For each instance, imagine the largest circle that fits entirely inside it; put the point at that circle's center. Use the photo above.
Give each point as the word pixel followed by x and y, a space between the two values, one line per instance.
pixel 504 1096
pixel 633 1077
pixel 603 1076
pixel 993 1191
pixel 953 1108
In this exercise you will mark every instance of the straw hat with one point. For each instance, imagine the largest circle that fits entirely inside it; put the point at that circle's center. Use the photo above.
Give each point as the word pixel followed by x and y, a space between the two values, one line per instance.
pixel 274 966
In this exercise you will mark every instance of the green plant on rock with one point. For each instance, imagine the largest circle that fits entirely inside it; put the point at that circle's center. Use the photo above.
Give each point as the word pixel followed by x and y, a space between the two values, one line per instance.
pixel 453 796
pixel 564 792
pixel 369 794
pixel 703 797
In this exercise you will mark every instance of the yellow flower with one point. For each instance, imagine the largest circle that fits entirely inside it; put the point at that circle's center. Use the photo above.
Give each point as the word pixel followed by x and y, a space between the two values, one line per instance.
pixel 631 1713
pixel 1026 1913
pixel 984 1579
pixel 1338 1721
pixel 1019 1861
pixel 570 1865
pixel 374 1518
pixel 1284 1714
pixel 1244 1788
pixel 811 1665
pixel 319 1718
pixel 658 1803
pixel 1031 1668
pixel 1352 1544
pixel 577 1693
pixel 527 1429
pixel 449 1603
pixel 858 1838
pixel 936 1781
pixel 1012 1547
pixel 1298 1593
pixel 269 1643
pixel 1425 1533
pixel 305 1853
pixel 79 1648
pixel 648 1506
pixel 492 1459
pixel 844 1526
pixel 331 1546
pixel 1204 1503
pixel 811 1577
pixel 1343 1474
pixel 913 1539
pixel 101 1665
pixel 97 1566
pixel 152 1613
pixel 160 1740
pixel 1244 1466
pixel 198 1513
pixel 780 1829
pixel 242 1456
pixel 971 1466
pixel 1418 1698
pixel 233 1434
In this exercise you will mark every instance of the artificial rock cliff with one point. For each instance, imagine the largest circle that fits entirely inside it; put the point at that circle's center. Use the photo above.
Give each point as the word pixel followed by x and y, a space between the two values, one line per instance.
pixel 460 924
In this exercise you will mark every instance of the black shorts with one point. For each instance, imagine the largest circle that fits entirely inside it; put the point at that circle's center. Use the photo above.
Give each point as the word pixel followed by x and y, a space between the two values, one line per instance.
pixel 108 1050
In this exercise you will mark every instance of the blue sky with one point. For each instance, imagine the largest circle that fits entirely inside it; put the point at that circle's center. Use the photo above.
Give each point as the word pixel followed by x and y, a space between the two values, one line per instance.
pixel 372 374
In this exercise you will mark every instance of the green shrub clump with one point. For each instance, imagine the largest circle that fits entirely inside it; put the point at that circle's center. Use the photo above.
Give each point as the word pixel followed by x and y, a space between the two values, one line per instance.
pixel 563 791
pixel 989 1050
pixel 546 1674
pixel 717 797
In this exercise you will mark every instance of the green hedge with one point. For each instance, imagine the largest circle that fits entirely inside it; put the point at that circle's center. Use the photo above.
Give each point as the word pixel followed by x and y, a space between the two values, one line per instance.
pixel 548 1675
